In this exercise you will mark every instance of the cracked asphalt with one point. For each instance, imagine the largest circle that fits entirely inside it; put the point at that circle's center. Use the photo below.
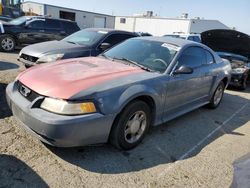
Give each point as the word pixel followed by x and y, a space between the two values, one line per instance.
pixel 198 149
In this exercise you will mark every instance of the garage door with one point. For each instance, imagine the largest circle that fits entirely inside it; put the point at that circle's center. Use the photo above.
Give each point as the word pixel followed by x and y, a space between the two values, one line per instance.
pixel 100 22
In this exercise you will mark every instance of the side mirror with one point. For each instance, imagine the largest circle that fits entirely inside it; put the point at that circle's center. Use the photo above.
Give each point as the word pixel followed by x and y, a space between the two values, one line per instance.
pixel 184 70
pixel 104 46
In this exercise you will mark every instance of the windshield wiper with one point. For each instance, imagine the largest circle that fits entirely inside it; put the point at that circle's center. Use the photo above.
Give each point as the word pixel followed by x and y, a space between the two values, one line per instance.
pixel 105 56
pixel 134 63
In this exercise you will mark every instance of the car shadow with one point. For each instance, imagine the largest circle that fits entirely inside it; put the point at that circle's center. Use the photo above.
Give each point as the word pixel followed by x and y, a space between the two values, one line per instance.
pixel 164 144
pixel 15 173
pixel 7 66
pixel 4 109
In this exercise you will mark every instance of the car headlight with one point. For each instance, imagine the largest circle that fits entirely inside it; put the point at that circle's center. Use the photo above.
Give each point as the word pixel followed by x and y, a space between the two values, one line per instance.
pixel 67 108
pixel 50 58
pixel 238 70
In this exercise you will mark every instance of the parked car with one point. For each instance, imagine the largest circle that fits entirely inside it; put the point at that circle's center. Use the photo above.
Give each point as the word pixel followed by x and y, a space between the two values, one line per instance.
pixel 235 47
pixel 87 42
pixel 118 95
pixel 33 29
pixel 190 36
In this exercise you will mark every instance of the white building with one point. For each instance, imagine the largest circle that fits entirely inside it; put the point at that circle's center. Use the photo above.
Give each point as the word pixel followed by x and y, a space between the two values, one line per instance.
pixel 161 26
pixel 84 19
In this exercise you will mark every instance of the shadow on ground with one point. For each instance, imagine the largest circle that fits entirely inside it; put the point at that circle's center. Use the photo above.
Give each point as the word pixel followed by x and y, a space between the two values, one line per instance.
pixel 15 173
pixel 163 144
pixel 7 66
pixel 4 109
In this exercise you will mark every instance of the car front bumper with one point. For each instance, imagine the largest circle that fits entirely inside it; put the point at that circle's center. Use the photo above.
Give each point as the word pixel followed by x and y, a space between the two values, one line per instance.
pixel 59 130
pixel 26 62
pixel 237 80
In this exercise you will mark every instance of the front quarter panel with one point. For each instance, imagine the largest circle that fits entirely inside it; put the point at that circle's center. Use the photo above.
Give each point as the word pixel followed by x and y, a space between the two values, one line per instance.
pixel 117 100
pixel 111 97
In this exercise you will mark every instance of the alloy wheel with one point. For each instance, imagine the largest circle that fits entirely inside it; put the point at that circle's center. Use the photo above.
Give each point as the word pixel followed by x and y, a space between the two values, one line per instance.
pixel 8 44
pixel 218 95
pixel 135 127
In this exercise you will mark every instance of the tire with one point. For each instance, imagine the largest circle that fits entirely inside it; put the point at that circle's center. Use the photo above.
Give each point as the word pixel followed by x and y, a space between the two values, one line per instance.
pixel 244 84
pixel 125 135
pixel 217 96
pixel 7 43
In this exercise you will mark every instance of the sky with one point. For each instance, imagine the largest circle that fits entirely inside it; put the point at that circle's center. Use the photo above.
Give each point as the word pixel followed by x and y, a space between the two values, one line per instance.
pixel 233 13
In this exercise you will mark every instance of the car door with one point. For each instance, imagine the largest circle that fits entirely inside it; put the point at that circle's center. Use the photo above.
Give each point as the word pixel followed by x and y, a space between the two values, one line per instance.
pixel 209 75
pixel 183 90
pixel 69 27
pixel 112 39
pixel 33 32
pixel 53 30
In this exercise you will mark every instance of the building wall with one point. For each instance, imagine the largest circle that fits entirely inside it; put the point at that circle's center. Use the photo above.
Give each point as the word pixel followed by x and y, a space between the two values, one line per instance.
pixel 83 19
pixel 128 26
pixel 154 26
pixel 33 8
pixel 199 26
pixel 162 26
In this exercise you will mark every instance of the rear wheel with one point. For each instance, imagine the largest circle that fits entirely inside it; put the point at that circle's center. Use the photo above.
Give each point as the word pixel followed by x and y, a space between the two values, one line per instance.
pixel 7 43
pixel 217 96
pixel 131 126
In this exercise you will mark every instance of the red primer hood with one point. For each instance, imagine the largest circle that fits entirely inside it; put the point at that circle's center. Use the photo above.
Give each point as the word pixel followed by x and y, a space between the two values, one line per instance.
pixel 66 78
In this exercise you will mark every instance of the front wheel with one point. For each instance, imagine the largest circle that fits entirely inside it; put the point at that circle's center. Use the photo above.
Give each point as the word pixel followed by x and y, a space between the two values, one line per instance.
pixel 7 43
pixel 131 126
pixel 217 96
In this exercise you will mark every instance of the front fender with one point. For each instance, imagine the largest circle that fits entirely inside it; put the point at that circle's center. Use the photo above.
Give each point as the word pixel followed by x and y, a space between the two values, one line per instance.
pixel 136 91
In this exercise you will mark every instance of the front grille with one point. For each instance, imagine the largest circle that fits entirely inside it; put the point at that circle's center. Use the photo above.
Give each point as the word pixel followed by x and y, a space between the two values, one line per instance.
pixel 31 96
pixel 29 58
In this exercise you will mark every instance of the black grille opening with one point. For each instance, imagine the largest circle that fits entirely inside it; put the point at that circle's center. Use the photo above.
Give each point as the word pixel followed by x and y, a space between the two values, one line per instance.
pixel 30 96
pixel 29 58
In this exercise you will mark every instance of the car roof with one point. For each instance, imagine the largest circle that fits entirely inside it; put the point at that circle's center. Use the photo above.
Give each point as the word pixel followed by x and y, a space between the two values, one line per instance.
pixel 171 40
pixel 49 18
pixel 109 30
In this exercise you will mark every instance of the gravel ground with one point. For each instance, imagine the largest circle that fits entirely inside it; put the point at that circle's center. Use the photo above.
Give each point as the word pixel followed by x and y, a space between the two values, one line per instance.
pixel 195 150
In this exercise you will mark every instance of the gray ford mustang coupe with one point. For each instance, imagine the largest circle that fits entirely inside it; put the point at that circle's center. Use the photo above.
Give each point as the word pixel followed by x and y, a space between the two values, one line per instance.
pixel 118 95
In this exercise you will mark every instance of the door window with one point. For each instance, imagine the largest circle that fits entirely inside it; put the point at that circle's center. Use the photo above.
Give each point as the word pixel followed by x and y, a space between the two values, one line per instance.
pixel 210 58
pixel 70 27
pixel 39 24
pixel 192 57
pixel 196 39
pixel 52 24
pixel 114 39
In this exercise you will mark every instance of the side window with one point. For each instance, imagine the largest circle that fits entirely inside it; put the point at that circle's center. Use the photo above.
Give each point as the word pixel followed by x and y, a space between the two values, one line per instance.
pixel 190 38
pixel 192 57
pixel 210 58
pixel 52 24
pixel 114 39
pixel 70 27
pixel 196 39
pixel 39 24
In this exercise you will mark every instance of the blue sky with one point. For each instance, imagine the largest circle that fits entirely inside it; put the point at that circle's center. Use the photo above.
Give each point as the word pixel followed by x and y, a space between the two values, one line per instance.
pixel 233 13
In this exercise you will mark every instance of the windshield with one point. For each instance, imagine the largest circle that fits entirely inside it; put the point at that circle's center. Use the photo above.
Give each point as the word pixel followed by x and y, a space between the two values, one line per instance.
pixel 18 21
pixel 151 54
pixel 85 37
